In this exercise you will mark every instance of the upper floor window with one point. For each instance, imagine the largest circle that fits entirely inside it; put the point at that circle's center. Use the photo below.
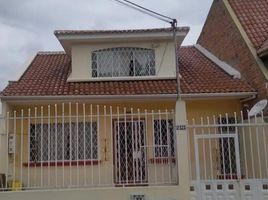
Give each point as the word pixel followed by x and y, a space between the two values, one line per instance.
pixel 123 61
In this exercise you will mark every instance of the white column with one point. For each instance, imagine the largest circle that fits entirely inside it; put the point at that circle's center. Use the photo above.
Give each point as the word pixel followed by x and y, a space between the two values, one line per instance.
pixel 182 150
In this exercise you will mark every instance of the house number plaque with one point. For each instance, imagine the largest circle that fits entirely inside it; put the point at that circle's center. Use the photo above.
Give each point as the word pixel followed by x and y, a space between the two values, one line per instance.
pixel 180 127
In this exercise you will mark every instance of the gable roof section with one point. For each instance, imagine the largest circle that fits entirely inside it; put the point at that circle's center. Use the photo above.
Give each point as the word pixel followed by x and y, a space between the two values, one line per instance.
pixel 252 15
pixel 47 76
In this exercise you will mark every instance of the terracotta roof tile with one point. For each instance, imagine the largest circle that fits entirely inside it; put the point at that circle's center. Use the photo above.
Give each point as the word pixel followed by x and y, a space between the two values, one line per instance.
pixel 253 15
pixel 200 75
pixel 48 72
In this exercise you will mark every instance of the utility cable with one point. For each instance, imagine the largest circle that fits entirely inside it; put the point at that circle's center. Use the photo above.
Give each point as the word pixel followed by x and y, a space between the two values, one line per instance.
pixel 144 10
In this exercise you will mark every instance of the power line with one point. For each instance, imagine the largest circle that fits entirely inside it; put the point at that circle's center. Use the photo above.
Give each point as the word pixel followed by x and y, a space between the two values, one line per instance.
pixel 151 11
pixel 164 18
pixel 145 11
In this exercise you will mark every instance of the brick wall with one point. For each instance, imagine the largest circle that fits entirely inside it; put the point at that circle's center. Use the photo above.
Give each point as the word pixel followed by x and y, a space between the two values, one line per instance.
pixel 221 36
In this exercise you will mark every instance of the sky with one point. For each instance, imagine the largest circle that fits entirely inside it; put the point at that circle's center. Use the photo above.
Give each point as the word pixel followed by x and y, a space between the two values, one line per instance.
pixel 28 26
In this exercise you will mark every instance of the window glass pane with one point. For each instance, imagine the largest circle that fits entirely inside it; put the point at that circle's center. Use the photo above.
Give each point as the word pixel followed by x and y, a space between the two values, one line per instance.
pixel 163 138
pixel 51 143
pixel 123 61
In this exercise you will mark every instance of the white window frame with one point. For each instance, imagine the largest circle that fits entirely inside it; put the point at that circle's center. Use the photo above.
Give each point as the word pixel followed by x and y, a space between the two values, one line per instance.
pixel 149 68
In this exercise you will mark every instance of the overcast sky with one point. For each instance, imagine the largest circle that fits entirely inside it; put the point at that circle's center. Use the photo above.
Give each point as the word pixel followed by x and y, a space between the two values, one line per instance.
pixel 27 26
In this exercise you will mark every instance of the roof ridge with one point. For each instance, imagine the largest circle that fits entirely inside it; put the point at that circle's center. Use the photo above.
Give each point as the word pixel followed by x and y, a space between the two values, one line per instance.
pixel 50 52
pixel 75 31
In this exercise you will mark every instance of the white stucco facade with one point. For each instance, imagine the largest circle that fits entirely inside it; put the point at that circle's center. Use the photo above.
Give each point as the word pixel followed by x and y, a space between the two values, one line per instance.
pixel 164 60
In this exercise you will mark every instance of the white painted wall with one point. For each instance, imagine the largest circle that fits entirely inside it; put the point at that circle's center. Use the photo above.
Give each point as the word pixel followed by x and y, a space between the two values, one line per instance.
pixel 81 59
pixel 115 193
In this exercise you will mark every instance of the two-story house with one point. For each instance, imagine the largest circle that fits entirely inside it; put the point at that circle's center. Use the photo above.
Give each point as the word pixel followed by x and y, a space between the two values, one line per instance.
pixel 103 119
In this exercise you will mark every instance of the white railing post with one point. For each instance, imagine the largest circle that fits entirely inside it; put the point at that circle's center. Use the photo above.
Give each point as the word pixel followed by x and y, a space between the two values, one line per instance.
pixel 182 150
pixel 3 141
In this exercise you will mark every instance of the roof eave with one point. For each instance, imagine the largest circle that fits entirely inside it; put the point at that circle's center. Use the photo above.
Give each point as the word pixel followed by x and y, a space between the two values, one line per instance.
pixel 189 96
pixel 67 39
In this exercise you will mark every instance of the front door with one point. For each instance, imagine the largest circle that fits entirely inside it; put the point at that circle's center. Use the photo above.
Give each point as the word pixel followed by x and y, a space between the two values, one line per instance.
pixel 130 152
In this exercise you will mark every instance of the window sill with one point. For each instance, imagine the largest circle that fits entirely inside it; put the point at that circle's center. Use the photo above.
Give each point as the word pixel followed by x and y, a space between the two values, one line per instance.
pixel 62 163
pixel 163 160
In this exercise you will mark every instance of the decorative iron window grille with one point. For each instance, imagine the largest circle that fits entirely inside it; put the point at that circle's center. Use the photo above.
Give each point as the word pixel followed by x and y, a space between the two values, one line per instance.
pixel 123 61
pixel 63 141
pixel 164 138
pixel 227 146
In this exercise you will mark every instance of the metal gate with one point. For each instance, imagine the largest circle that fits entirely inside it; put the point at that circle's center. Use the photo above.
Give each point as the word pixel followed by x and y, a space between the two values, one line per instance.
pixel 130 163
pixel 228 158
pixel 227 172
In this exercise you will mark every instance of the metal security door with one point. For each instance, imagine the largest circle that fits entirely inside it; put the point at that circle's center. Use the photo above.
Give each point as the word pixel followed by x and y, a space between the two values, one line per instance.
pixel 130 163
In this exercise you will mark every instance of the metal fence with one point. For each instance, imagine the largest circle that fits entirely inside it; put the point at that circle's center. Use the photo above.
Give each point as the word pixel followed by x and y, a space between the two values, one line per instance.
pixel 84 145
pixel 225 147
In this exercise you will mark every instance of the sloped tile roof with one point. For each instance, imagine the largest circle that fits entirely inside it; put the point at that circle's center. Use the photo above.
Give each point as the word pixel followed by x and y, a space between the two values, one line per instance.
pixel 201 75
pixel 253 15
pixel 47 76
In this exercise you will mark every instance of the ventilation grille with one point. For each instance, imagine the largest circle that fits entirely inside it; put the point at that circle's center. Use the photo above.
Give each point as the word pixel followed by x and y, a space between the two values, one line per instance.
pixel 137 197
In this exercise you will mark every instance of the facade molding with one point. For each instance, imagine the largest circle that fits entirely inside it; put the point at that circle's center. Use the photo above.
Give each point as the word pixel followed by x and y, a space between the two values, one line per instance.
pixel 99 98
pixel 223 65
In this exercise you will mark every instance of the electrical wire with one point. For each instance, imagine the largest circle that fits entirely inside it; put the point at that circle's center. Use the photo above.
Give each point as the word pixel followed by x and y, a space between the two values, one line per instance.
pixel 151 11
pixel 144 10
pixel 164 18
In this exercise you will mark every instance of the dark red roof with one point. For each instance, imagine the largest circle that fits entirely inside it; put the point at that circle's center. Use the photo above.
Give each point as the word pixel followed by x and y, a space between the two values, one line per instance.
pixel 47 76
pixel 253 15
pixel 201 75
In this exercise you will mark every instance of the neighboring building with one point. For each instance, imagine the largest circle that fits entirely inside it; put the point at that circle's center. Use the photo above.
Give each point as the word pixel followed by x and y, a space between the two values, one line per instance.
pixel 236 31
pixel 98 120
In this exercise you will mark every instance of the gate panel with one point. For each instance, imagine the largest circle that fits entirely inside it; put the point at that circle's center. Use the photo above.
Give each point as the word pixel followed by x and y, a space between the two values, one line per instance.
pixel 222 183
pixel 229 157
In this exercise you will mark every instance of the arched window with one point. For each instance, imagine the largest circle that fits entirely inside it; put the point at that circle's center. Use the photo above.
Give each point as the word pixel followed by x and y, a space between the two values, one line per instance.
pixel 123 61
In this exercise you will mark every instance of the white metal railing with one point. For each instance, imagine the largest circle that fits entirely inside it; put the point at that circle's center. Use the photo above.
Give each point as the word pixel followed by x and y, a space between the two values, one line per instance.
pixel 228 147
pixel 84 145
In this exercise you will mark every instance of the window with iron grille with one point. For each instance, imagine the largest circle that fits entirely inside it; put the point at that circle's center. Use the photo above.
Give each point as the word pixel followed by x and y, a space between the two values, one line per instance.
pixel 163 138
pixel 123 61
pixel 63 141
pixel 227 146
